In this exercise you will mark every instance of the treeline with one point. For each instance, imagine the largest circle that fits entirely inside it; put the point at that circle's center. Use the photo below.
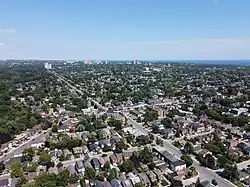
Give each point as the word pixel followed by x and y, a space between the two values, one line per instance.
pixel 14 116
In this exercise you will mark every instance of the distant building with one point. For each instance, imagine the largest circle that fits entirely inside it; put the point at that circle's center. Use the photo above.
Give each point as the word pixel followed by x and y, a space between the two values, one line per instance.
pixel 47 66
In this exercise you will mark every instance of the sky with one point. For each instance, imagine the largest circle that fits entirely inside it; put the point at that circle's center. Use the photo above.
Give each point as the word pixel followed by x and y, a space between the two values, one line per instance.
pixel 125 29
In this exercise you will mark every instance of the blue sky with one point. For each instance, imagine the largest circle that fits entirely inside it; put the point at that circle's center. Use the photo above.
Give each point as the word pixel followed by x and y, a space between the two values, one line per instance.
pixel 125 29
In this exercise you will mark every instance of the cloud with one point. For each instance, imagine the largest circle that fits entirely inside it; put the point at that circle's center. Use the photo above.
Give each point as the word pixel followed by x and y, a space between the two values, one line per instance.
pixel 6 31
pixel 1 45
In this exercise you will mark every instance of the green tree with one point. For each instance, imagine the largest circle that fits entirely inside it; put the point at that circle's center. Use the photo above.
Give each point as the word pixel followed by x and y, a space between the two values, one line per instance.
pixel 32 167
pixel 118 125
pixel 187 159
pixel 55 128
pixel 167 122
pixel 139 184
pixel 16 170
pixel 46 180
pixel 89 173
pixel 223 161
pixel 106 166
pixel 146 156
pixel 210 161
pixel 143 140
pixel 28 154
pixel 127 166
pixel 30 184
pixel 231 172
pixel 45 159
pixel 121 145
pixel 176 183
pixel 188 148
pixel 150 115
pixel 112 174
pixel 33 121
pixel 73 179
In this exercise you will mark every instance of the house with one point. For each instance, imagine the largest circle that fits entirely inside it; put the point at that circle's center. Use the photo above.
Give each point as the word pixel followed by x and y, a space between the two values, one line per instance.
pixel 4 183
pixel 79 166
pixel 181 174
pixel 104 143
pixel 144 167
pixel 71 169
pixel 197 127
pixel 126 155
pixel 126 183
pixel 152 176
pixel 232 144
pixel 167 133
pixel 78 150
pixel 114 140
pixel 101 161
pixel 246 150
pixel 94 146
pixel 66 152
pixel 144 179
pixel 158 162
pixel 14 182
pixel 134 179
pixel 117 116
pixel 30 176
pixel 242 145
pixel 136 113
pixel 95 163
pixel 115 183
pixel 158 174
pixel 102 184
pixel 119 158
pixel 135 160
pixel 85 149
pixel 161 111
pixel 84 136
pixel 113 160
pixel 197 147
pixel 106 133
pixel 53 170
pixel 65 127
pixel 87 164
pixel 175 164
pixel 56 153
pixel 53 154
pixel 164 168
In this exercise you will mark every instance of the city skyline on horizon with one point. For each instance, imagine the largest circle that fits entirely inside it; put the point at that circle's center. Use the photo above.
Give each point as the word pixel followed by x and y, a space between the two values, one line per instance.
pixel 142 30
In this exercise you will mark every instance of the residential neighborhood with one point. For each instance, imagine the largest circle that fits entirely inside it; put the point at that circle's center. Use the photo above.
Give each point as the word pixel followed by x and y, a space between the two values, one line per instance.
pixel 116 125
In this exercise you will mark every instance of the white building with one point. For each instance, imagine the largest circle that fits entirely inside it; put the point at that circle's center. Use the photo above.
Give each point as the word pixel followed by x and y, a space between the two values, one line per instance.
pixel 47 66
